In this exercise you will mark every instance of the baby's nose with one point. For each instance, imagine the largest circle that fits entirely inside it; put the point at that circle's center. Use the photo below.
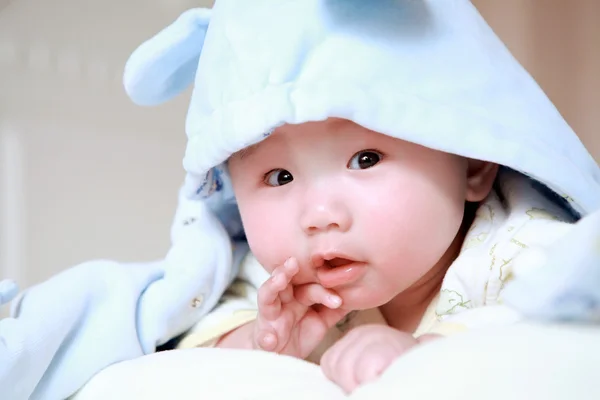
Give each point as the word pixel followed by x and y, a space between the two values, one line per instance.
pixel 326 216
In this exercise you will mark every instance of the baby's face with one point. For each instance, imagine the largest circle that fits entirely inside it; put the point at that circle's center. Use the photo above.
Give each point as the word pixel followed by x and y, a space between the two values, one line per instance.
pixel 363 213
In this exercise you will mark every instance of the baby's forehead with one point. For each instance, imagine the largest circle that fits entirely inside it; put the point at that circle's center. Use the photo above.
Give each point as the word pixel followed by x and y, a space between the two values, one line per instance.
pixel 311 133
pixel 333 124
pixel 330 124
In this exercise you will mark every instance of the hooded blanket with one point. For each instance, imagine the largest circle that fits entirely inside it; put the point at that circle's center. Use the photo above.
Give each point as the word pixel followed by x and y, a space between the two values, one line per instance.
pixel 431 72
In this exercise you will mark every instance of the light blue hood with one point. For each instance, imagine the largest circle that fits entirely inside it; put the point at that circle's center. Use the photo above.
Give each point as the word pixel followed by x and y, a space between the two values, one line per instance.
pixel 427 71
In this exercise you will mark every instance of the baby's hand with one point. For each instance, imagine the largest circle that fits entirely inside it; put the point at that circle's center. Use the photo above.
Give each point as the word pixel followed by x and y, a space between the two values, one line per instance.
pixel 364 353
pixel 293 320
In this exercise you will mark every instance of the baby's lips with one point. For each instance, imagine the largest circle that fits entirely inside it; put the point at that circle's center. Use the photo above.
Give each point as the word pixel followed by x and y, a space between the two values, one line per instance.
pixel 339 276
pixel 317 261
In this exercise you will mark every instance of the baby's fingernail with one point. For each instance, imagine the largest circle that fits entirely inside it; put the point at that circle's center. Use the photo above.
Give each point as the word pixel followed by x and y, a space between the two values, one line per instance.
pixel 334 301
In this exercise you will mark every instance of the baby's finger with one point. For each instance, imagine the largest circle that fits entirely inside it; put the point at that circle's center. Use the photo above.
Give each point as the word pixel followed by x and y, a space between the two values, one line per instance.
pixel 369 370
pixel 277 290
pixel 346 360
pixel 337 366
pixel 266 341
pixel 269 304
pixel 314 293
pixel 287 295
pixel 290 268
pixel 330 316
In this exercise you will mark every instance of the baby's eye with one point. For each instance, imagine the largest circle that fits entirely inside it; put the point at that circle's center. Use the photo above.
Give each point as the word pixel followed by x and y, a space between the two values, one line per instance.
pixel 364 159
pixel 278 177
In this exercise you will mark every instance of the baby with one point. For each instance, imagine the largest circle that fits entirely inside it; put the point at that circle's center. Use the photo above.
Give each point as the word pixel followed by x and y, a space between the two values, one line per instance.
pixel 390 162
pixel 344 218
pixel 389 165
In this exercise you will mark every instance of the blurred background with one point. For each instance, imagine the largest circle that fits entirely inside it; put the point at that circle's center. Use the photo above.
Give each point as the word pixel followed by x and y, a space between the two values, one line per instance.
pixel 85 174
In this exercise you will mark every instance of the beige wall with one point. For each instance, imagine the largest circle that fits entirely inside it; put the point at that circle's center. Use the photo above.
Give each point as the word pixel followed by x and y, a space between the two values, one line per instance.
pixel 85 174
pixel 558 41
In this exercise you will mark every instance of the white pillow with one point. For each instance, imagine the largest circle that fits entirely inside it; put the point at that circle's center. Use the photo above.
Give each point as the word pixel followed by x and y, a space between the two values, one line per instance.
pixel 517 362
pixel 207 373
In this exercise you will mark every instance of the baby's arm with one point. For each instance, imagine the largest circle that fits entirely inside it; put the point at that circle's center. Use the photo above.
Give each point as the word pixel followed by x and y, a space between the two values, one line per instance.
pixel 239 338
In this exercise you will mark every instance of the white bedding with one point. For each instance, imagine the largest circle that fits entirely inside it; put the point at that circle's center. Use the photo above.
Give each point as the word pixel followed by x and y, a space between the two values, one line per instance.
pixel 517 362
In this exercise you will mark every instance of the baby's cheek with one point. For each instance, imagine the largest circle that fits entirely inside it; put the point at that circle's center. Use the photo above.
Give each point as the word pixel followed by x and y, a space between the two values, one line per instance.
pixel 267 242
pixel 414 230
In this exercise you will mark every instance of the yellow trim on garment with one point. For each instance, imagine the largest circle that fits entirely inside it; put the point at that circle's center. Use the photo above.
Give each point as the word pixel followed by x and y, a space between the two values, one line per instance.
pixel 210 337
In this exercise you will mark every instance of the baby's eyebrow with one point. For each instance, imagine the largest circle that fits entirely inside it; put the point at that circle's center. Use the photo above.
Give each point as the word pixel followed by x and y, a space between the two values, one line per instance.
pixel 247 151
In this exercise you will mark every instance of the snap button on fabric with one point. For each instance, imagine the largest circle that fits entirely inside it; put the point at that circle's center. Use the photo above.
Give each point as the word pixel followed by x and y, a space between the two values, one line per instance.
pixel 197 302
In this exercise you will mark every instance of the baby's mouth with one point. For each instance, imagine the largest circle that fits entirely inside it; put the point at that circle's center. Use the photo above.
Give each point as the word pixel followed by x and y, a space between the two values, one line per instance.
pixel 337 262
pixel 339 271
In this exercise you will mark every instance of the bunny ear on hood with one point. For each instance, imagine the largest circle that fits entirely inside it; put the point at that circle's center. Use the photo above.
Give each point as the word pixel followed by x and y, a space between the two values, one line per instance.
pixel 431 72
pixel 166 64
